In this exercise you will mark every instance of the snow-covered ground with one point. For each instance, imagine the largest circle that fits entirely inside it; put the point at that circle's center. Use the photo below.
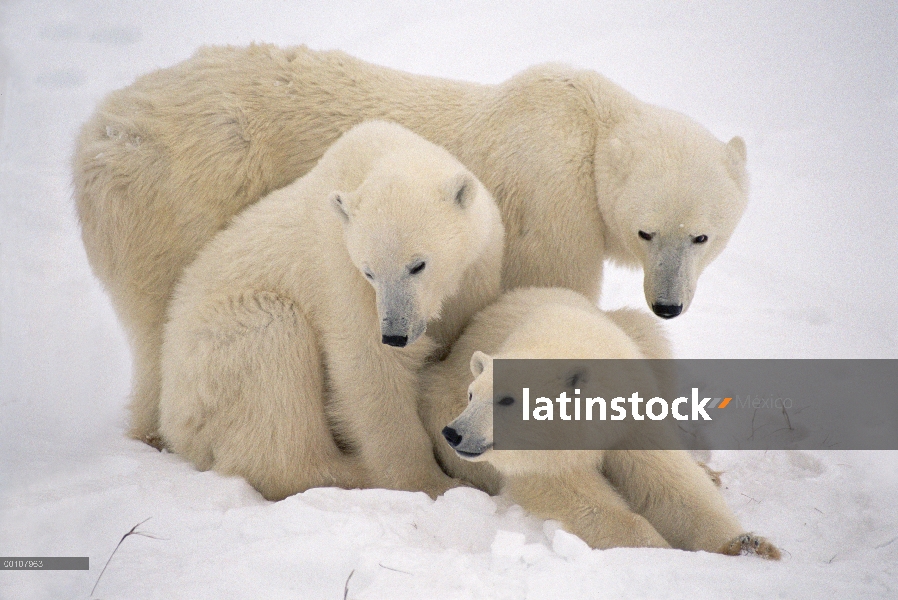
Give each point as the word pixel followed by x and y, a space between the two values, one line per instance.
pixel 810 273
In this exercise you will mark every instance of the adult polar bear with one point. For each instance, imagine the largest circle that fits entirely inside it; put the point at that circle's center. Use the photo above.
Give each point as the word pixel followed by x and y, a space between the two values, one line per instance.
pixel 275 337
pixel 646 498
pixel 582 172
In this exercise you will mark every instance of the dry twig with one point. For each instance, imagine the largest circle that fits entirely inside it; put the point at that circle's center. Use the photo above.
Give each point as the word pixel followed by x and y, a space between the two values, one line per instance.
pixel 132 532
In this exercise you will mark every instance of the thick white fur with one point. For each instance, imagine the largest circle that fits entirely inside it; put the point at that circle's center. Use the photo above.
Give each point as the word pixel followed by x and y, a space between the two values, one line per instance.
pixel 608 498
pixel 577 165
pixel 272 358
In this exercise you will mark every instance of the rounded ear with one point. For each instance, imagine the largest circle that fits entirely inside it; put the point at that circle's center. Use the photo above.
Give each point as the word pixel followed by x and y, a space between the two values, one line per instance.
pixel 736 156
pixel 338 203
pixel 462 189
pixel 737 151
pixel 478 362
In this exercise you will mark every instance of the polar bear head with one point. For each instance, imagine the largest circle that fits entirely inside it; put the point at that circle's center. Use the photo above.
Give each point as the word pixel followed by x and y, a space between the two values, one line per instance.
pixel 413 227
pixel 471 433
pixel 549 332
pixel 671 195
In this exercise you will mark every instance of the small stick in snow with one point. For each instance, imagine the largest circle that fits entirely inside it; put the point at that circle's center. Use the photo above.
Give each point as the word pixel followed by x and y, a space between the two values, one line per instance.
pixel 788 421
pixel 132 532
pixel 392 569
pixel 753 415
pixel 346 585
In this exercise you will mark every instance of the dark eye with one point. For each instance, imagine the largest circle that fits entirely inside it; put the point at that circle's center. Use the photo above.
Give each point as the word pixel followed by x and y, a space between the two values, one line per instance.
pixel 506 401
pixel 369 275
pixel 646 236
pixel 700 239
pixel 417 268
pixel 470 396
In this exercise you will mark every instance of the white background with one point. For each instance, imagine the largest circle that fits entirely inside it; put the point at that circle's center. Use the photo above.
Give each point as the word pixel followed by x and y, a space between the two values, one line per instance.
pixel 810 273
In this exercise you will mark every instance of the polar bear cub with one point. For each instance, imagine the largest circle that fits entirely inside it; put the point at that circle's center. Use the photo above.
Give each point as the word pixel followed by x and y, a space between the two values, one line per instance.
pixel 609 498
pixel 294 341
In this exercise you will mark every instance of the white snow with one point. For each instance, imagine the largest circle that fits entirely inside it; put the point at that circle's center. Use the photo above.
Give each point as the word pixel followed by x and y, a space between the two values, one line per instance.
pixel 810 273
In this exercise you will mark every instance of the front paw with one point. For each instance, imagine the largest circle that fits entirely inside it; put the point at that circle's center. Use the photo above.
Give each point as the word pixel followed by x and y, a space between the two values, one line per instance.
pixel 749 543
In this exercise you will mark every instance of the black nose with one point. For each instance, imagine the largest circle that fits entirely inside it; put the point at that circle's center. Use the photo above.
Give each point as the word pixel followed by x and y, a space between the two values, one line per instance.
pixel 395 340
pixel 451 436
pixel 667 311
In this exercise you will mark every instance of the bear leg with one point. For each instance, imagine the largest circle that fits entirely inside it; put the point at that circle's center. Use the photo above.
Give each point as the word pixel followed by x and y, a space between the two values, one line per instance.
pixel 587 506
pixel 243 394
pixel 374 405
pixel 676 495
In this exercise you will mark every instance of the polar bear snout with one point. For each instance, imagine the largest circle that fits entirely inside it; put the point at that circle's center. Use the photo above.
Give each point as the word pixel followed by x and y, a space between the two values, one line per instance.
pixel 398 341
pixel 401 323
pixel 671 269
pixel 667 311
pixel 463 446
pixel 466 448
pixel 452 436
pixel 401 332
pixel 471 434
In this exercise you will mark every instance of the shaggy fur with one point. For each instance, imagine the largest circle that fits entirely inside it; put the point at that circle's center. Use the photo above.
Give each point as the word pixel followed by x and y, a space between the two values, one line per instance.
pixel 577 165
pixel 278 331
pixel 608 498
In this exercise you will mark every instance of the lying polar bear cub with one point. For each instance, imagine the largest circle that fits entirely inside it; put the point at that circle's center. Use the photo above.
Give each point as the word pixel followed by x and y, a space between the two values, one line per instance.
pixel 307 316
pixel 636 498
